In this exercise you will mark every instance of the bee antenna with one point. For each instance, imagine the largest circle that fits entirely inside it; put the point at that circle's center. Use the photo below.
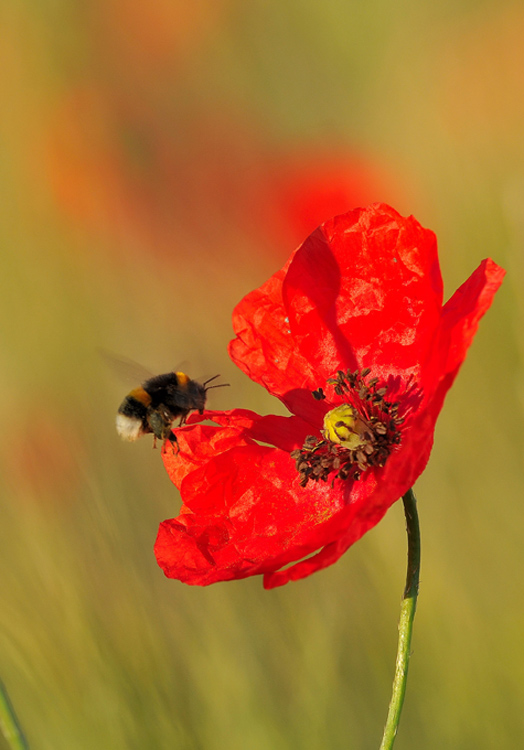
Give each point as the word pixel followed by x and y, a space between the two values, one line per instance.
pixel 209 387
pixel 209 381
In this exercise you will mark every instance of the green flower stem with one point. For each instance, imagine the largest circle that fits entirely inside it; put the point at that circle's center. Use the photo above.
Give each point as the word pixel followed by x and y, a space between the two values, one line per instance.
pixel 405 626
pixel 9 723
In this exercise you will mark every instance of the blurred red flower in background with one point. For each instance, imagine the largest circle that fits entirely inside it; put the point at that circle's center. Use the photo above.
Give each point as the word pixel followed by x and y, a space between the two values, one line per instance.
pixel 112 168
pixel 303 186
pixel 357 311
pixel 140 179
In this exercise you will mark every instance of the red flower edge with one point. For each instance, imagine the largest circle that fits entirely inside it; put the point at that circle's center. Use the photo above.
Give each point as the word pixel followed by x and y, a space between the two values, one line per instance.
pixel 363 292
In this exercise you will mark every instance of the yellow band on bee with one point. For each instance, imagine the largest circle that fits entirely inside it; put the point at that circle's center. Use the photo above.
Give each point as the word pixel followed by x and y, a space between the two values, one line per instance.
pixel 182 378
pixel 139 394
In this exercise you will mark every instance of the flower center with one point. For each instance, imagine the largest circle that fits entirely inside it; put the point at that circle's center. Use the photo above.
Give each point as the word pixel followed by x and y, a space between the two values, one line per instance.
pixel 343 425
pixel 357 435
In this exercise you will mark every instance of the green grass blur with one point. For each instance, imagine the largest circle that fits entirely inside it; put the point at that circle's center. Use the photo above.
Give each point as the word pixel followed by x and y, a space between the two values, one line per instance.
pixel 158 161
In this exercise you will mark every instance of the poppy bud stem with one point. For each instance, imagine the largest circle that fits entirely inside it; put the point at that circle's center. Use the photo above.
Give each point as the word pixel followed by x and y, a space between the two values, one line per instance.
pixel 405 627
pixel 9 725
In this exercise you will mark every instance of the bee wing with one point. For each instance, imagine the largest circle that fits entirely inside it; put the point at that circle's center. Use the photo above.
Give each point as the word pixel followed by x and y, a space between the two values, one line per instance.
pixel 127 370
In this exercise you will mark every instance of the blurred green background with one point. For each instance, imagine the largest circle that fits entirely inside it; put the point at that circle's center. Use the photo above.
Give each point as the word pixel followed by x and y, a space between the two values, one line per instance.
pixel 158 161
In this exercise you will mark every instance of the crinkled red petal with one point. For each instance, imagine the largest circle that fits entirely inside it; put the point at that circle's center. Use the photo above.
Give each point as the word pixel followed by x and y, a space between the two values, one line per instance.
pixel 197 444
pixel 245 513
pixel 265 351
pixel 459 323
pixel 364 290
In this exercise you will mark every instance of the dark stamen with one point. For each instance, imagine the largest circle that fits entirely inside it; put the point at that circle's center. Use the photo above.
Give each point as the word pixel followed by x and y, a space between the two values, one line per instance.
pixel 379 433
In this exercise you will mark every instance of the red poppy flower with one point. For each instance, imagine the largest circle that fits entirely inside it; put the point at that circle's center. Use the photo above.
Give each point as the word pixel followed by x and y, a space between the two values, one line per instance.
pixel 352 337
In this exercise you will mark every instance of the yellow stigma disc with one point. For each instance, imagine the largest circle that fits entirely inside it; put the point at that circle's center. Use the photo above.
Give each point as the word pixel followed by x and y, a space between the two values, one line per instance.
pixel 343 426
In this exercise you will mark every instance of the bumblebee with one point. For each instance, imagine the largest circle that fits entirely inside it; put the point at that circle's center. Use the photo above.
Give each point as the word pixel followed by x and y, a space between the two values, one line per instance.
pixel 154 405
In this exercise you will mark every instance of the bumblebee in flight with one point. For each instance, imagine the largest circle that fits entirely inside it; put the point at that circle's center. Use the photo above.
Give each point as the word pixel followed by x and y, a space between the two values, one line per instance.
pixel 154 405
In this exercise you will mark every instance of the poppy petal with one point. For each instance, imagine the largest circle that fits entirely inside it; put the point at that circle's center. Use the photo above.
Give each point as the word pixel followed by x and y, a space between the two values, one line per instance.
pixel 460 320
pixel 264 349
pixel 365 290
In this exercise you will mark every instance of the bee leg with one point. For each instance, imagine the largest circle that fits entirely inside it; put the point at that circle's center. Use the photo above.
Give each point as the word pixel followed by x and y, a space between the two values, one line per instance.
pixel 154 441
pixel 174 442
